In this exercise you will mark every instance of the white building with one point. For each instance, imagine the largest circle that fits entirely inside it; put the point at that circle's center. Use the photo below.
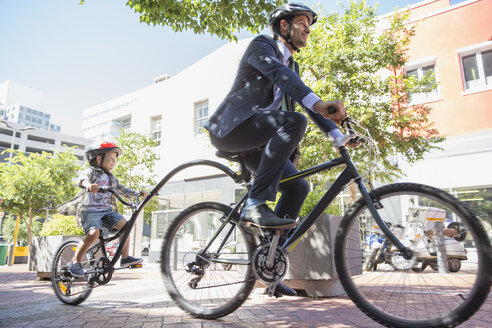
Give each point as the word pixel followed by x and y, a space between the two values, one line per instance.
pixel 172 111
pixel 39 140
pixel 174 108
pixel 21 104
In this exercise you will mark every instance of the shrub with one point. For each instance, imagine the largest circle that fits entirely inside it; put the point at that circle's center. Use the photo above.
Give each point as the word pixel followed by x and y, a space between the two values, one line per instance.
pixel 61 225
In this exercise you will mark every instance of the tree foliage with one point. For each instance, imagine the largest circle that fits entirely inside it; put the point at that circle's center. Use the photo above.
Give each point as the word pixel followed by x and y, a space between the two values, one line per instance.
pixel 347 59
pixel 33 181
pixel 223 18
pixel 135 167
pixel 8 229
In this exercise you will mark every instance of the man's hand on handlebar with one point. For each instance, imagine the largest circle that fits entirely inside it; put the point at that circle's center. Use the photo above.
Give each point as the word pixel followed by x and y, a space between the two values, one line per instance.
pixel 333 110
pixel 354 142
pixel 143 193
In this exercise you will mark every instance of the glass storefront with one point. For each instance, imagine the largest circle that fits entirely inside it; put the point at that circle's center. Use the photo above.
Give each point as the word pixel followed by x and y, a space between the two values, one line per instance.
pixel 172 205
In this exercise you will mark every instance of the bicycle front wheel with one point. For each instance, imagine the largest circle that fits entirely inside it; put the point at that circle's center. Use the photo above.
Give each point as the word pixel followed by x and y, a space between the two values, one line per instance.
pixel 205 261
pixel 68 289
pixel 406 292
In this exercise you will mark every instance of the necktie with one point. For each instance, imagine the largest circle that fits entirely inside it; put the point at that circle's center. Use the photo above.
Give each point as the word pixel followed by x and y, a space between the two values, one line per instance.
pixel 287 100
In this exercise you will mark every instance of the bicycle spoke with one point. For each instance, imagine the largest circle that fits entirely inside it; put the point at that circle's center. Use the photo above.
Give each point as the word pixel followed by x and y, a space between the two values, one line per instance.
pixel 405 292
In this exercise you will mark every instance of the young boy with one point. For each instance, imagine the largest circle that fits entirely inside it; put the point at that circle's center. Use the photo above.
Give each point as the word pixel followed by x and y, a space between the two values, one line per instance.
pixel 98 210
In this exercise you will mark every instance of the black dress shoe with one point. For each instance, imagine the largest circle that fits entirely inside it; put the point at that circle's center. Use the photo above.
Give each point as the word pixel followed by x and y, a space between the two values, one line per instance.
pixel 263 217
pixel 281 290
pixel 284 290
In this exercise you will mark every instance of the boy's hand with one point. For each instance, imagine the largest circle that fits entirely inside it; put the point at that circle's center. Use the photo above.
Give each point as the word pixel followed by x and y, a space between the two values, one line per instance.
pixel 93 188
pixel 143 193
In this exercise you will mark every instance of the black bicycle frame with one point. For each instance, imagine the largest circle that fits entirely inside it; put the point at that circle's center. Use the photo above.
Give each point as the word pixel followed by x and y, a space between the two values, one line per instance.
pixel 125 231
pixel 348 174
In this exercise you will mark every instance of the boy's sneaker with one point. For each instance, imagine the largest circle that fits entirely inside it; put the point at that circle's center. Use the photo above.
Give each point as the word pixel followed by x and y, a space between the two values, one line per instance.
pixel 130 260
pixel 76 270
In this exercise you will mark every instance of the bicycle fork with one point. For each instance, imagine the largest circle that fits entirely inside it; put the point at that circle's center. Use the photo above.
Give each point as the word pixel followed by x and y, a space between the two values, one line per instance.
pixel 405 251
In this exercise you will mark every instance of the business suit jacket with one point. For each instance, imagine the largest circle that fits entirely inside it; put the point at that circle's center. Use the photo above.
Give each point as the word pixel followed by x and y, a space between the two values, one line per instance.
pixel 259 70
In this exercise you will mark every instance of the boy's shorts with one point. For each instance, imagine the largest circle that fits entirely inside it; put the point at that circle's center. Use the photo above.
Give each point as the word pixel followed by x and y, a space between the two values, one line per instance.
pixel 103 221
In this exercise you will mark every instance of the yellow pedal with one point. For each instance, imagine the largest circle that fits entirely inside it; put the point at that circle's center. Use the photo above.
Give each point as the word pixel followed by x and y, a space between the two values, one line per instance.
pixel 136 266
pixel 62 287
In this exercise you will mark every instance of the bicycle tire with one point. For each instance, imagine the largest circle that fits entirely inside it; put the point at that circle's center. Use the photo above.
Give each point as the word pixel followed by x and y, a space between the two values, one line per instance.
pixel 68 289
pixel 222 288
pixel 415 298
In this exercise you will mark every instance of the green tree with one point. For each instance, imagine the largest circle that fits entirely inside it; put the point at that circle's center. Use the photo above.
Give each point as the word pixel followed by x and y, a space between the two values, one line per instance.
pixel 135 168
pixel 31 181
pixel 348 59
pixel 223 18
pixel 9 223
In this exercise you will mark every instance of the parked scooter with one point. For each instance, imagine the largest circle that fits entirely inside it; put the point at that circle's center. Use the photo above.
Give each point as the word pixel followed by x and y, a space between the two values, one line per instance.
pixel 419 234
pixel 378 247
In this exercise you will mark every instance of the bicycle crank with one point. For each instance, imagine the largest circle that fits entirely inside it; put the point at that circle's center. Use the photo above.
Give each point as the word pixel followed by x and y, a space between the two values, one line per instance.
pixel 270 269
pixel 103 271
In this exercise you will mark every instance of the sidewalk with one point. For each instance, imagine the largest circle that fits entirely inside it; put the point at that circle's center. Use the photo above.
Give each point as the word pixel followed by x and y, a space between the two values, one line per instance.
pixel 137 298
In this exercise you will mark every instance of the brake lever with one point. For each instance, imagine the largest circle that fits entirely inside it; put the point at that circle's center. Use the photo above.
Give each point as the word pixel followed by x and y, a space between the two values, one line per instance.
pixel 352 137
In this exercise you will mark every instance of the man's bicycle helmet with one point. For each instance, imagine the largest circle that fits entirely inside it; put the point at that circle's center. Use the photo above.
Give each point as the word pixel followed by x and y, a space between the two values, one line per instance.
pixel 103 148
pixel 287 12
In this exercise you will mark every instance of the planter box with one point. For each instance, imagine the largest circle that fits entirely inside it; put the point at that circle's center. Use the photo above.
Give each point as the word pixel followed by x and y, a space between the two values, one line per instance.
pixel 312 262
pixel 42 252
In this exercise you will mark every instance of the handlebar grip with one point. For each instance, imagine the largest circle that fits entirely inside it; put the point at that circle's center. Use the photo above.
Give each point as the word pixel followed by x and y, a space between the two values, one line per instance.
pixel 332 110
pixel 103 189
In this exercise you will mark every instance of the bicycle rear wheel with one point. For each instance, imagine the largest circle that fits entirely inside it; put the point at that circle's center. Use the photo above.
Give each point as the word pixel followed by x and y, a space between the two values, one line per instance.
pixel 403 292
pixel 195 240
pixel 68 289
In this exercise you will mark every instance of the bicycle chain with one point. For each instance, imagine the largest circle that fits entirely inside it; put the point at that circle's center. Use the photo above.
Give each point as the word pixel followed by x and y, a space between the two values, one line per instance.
pixel 222 285
pixel 228 284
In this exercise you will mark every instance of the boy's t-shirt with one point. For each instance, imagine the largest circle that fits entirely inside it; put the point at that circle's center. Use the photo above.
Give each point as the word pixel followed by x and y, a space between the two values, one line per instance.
pixel 99 202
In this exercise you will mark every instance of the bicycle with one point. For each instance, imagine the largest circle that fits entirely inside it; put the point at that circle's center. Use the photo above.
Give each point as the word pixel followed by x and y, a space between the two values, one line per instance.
pixel 210 262
pixel 99 268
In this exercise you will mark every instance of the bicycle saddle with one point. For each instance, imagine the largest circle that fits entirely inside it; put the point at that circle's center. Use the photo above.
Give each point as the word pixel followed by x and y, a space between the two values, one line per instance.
pixel 236 156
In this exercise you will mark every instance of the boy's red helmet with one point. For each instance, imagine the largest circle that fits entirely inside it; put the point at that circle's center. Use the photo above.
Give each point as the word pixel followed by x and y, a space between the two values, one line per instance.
pixel 103 148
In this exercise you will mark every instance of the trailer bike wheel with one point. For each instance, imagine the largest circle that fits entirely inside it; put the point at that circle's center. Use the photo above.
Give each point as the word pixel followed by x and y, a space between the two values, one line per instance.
pixel 68 289
pixel 407 297
pixel 206 261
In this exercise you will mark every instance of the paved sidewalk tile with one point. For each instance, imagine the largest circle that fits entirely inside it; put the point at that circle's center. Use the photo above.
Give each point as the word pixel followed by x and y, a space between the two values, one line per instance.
pixel 137 298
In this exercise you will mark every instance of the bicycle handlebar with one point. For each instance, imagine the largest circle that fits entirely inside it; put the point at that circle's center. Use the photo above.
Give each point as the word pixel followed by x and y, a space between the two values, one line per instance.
pixel 352 136
pixel 104 189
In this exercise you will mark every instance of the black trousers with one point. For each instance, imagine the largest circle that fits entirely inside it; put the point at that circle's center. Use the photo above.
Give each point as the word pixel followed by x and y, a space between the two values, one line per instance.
pixel 275 134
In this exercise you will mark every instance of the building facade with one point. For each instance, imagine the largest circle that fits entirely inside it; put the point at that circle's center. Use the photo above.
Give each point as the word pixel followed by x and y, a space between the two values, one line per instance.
pixel 173 111
pixel 20 104
pixel 454 41
pixel 39 140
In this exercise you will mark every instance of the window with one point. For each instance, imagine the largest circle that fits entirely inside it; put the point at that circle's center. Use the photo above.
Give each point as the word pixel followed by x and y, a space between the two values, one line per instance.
pixel 155 129
pixel 201 117
pixel 479 200
pixel 476 64
pixel 174 204
pixel 418 72
pixel 121 123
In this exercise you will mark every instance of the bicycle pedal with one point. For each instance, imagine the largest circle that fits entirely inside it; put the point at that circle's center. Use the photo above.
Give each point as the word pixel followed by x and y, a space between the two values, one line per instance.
pixel 135 266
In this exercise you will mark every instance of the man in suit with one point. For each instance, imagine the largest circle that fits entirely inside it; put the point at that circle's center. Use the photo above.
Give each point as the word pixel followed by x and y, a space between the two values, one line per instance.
pixel 257 116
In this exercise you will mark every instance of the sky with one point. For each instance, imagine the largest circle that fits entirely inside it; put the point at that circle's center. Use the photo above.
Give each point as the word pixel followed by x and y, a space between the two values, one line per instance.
pixel 79 56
